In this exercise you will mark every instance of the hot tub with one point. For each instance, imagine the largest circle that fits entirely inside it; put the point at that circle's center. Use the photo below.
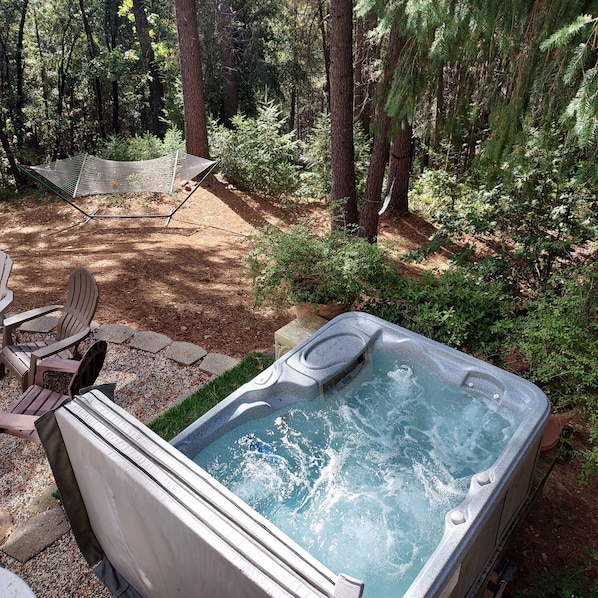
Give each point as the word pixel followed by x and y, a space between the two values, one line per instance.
pixel 386 455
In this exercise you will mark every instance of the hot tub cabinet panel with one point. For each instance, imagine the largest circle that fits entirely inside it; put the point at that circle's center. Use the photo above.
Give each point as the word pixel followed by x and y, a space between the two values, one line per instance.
pixel 342 347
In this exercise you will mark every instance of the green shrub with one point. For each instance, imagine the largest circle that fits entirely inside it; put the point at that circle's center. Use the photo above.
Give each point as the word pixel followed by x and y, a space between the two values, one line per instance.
pixel 303 265
pixel 533 213
pixel 457 307
pixel 256 155
pixel 557 336
pixel 436 191
pixel 146 147
pixel 316 179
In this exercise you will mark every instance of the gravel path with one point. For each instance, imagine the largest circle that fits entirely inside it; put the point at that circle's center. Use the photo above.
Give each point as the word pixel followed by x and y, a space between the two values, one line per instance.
pixel 147 384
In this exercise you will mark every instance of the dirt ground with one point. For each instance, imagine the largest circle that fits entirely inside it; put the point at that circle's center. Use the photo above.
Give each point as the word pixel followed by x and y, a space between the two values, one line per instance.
pixel 188 281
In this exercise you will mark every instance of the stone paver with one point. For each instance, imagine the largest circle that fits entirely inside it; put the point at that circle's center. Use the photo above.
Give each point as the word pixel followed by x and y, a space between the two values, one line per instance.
pixel 185 353
pixel 43 501
pixel 216 363
pixel 114 333
pixel 290 335
pixel 34 535
pixel 150 341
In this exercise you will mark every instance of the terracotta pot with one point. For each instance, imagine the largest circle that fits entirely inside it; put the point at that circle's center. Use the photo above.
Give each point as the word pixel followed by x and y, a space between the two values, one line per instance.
pixel 554 427
pixel 324 310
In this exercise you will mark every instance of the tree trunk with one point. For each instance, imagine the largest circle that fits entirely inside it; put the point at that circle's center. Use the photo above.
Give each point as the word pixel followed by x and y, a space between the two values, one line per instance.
pixel 64 74
pixel 372 200
pixel 20 97
pixel 401 158
pixel 230 91
pixel 12 163
pixel 196 132
pixel 342 151
pixel 94 52
pixel 325 53
pixel 112 22
pixel 43 73
pixel 155 85
pixel 439 110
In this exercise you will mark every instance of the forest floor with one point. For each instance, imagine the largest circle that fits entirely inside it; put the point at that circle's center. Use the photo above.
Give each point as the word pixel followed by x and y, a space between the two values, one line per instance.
pixel 188 281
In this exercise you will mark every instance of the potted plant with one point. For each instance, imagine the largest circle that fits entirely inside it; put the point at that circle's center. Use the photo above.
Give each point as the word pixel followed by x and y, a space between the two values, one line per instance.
pixel 301 266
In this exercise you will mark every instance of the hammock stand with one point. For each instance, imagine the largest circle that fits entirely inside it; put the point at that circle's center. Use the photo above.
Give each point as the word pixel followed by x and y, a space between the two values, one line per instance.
pixel 88 175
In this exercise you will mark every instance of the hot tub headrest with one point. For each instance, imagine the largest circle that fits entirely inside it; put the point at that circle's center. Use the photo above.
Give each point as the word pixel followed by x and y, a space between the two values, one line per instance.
pixel 330 350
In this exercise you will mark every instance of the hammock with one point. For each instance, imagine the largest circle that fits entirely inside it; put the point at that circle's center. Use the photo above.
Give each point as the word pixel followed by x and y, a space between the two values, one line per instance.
pixel 88 175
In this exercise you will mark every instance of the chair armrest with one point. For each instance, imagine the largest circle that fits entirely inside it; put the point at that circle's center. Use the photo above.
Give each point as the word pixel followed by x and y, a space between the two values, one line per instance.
pixel 59 346
pixel 15 321
pixel 54 364
pixel 17 421
pixel 52 349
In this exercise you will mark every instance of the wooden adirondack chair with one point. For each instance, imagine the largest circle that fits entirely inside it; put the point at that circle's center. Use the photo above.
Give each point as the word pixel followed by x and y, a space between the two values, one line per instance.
pixel 36 400
pixel 73 326
pixel 5 293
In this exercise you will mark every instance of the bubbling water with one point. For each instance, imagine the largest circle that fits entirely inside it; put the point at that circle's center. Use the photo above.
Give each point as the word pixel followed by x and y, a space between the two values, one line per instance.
pixel 362 476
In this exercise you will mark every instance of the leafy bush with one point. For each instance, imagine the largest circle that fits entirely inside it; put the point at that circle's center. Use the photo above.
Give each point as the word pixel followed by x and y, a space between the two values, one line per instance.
pixel 557 337
pixel 457 307
pixel 533 213
pixel 304 266
pixel 436 191
pixel 316 179
pixel 256 155
pixel 118 147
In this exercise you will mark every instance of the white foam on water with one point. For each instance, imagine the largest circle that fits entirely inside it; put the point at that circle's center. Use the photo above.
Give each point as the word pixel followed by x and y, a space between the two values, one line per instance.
pixel 362 477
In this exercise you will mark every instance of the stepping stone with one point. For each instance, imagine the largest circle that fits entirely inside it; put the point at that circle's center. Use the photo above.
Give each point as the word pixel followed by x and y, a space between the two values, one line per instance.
pixel 150 341
pixel 185 353
pixel 114 333
pixel 43 501
pixel 290 335
pixel 215 363
pixel 43 324
pixel 33 536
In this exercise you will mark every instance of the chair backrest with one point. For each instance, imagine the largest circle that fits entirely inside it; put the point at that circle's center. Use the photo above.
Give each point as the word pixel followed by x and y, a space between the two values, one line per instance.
pixel 5 268
pixel 89 368
pixel 81 303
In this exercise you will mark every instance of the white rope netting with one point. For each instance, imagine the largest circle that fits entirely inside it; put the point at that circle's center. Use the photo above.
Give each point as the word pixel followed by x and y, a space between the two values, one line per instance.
pixel 88 175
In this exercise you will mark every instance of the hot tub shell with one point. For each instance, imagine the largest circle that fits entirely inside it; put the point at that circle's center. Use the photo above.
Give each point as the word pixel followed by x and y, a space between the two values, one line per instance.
pixel 475 529
pixel 154 524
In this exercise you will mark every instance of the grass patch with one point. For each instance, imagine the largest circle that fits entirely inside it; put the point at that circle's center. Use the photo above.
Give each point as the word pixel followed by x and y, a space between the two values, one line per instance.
pixel 175 420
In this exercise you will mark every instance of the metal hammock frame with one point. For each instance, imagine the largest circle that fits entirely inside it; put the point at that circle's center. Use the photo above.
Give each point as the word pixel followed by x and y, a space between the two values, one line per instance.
pixel 85 174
